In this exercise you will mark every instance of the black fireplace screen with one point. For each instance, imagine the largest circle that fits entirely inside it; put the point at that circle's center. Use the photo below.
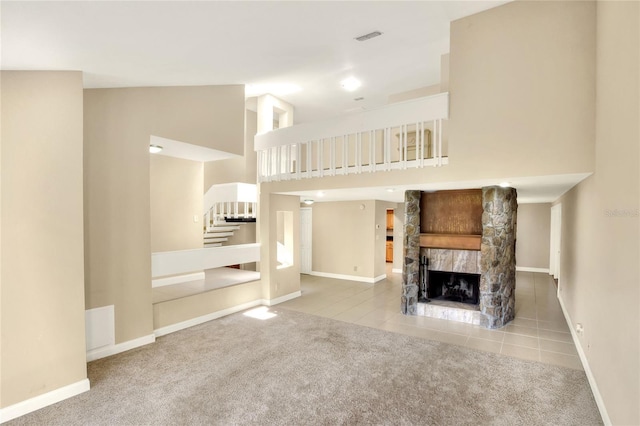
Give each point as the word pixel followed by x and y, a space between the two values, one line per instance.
pixel 454 286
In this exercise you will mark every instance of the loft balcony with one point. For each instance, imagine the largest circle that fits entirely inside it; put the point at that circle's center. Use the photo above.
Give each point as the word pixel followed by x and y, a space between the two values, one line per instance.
pixel 395 137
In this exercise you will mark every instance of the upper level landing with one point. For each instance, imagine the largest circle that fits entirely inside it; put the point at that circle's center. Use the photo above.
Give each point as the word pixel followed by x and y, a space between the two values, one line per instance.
pixel 395 137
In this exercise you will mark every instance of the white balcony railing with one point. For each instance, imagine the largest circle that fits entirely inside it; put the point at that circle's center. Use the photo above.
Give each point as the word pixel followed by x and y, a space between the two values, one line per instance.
pixel 399 136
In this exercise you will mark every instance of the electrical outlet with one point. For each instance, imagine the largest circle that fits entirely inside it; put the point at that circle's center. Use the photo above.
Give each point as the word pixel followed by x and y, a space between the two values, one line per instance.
pixel 355 269
pixel 579 329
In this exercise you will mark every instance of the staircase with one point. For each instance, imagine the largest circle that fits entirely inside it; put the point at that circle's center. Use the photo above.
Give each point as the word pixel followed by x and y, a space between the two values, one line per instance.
pixel 227 207
pixel 217 234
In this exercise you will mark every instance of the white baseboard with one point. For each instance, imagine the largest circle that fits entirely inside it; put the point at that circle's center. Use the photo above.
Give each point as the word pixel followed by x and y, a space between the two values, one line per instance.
pixel 106 351
pixel 159 282
pixel 348 277
pixel 396 271
pixel 528 269
pixel 585 364
pixel 271 302
pixel 204 318
pixel 37 402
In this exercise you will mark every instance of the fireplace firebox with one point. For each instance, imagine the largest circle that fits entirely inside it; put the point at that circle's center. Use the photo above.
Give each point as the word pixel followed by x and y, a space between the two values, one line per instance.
pixel 454 287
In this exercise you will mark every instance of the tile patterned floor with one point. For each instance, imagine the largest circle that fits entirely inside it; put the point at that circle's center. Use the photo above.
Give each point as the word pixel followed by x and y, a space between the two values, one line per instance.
pixel 539 332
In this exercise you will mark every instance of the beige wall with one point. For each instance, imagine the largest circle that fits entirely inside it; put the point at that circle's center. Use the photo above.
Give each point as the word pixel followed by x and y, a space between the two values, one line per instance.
pixel 277 282
pixel 415 93
pixel 209 116
pixel 245 235
pixel 344 238
pixel 42 279
pixel 242 169
pixel 176 197
pixel 533 235
pixel 186 308
pixel 117 127
pixel 599 275
pixel 522 88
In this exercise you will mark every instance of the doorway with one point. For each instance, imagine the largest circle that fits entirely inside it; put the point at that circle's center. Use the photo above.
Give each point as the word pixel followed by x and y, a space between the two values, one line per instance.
pixel 305 240
pixel 389 237
pixel 555 241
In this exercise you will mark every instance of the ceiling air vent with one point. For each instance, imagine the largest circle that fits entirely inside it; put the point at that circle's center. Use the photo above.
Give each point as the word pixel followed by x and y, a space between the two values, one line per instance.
pixel 368 36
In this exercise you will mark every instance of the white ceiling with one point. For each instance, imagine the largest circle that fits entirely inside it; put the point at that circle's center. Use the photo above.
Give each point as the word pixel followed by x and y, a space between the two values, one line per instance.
pixel 301 43
pixel 533 189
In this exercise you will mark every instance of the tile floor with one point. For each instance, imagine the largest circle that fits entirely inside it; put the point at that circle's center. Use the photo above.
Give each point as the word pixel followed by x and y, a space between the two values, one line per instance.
pixel 539 331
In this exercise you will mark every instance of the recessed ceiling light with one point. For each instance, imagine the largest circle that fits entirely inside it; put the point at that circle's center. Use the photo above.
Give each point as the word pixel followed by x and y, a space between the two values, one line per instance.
pixel 390 189
pixel 505 184
pixel 308 202
pixel 154 149
pixel 320 194
pixel 369 36
pixel 350 84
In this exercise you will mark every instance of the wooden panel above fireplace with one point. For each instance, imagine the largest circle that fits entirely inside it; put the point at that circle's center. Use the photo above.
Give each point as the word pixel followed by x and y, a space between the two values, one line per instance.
pixel 451 241
pixel 451 212
pixel 451 219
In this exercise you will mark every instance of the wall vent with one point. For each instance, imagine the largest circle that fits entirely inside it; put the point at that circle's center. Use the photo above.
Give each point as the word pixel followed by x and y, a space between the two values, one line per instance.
pixel 369 36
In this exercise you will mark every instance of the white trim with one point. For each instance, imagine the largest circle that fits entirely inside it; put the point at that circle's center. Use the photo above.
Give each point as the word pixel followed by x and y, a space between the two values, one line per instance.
pixel 106 351
pixel 37 402
pixel 204 318
pixel 271 302
pixel 160 282
pixel 396 270
pixel 218 314
pixel 585 364
pixel 380 278
pixel 528 269
pixel 349 277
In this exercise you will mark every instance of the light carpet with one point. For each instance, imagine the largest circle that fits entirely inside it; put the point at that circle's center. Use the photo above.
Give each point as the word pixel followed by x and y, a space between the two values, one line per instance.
pixel 300 369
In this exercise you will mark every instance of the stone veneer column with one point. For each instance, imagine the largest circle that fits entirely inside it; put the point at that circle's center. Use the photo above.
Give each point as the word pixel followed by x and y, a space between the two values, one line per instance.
pixel 498 258
pixel 411 264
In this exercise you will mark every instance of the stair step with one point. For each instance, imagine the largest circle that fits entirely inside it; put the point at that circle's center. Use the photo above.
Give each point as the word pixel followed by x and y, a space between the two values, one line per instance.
pixel 213 234
pixel 212 244
pixel 223 228
pixel 208 240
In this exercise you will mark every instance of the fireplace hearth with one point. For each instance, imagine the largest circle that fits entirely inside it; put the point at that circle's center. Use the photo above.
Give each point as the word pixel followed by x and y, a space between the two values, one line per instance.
pixel 454 287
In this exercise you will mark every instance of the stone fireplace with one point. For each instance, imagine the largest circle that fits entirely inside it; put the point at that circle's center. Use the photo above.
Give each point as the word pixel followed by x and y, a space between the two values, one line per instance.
pixel 463 259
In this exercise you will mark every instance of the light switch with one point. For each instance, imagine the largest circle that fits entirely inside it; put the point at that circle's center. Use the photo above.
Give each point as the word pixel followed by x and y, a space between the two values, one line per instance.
pixel 195 218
